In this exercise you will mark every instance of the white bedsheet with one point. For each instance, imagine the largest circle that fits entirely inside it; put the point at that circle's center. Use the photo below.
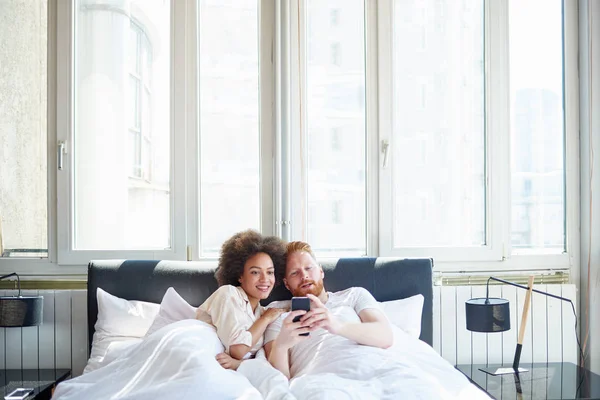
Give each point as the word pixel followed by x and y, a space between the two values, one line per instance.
pixel 410 369
pixel 178 362
pixel 175 362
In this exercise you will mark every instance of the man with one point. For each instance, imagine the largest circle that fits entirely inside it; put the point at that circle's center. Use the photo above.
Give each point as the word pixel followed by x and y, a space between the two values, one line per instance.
pixel 335 321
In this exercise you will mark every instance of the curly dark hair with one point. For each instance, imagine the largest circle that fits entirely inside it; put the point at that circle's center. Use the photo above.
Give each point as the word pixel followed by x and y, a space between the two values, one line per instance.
pixel 240 247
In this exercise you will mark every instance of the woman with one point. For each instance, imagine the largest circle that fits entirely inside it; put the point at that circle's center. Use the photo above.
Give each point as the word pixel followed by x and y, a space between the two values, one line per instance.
pixel 246 275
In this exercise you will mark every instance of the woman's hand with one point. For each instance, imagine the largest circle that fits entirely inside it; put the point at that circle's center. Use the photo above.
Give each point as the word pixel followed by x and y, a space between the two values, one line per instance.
pixel 228 362
pixel 271 314
pixel 289 335
pixel 319 316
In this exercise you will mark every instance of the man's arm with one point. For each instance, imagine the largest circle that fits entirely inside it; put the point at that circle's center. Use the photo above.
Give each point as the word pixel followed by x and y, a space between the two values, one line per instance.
pixel 279 358
pixel 277 351
pixel 373 330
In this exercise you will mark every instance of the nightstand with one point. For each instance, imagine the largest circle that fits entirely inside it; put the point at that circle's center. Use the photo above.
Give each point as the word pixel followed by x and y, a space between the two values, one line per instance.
pixel 542 381
pixel 43 381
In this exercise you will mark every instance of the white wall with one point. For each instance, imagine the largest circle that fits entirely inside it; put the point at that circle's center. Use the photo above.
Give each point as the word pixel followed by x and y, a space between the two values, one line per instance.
pixel 23 39
pixel 589 78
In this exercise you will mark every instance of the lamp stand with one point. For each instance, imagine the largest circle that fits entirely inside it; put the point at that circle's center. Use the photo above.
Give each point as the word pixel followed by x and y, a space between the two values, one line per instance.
pixel 515 367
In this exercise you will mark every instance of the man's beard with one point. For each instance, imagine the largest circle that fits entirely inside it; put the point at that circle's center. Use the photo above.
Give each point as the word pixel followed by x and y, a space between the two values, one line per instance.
pixel 315 289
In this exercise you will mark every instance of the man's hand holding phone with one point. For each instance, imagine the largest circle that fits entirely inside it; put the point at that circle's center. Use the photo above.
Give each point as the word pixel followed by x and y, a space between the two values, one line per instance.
pixel 301 303
pixel 291 332
pixel 320 317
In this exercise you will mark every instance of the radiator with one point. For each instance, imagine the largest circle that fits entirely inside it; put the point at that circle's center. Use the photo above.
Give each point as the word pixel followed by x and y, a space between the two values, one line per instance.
pixel 549 336
pixel 61 341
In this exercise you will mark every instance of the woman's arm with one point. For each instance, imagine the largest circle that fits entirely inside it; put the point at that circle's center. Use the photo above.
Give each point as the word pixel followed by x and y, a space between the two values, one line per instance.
pixel 238 351
pixel 227 310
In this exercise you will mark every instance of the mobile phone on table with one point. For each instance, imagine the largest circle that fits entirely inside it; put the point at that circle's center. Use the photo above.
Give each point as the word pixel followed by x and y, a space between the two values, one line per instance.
pixel 19 394
pixel 300 303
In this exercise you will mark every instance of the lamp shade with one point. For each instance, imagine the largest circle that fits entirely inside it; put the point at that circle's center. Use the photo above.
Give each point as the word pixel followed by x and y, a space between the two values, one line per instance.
pixel 21 311
pixel 487 315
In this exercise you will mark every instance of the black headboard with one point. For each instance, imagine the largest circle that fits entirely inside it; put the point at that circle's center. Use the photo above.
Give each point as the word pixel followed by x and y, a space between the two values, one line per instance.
pixel 148 280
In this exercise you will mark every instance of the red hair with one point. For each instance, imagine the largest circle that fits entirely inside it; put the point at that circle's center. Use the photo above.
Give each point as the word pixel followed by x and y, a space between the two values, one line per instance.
pixel 293 247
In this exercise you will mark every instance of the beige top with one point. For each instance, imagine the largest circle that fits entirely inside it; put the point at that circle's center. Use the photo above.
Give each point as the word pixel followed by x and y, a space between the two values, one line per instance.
pixel 229 310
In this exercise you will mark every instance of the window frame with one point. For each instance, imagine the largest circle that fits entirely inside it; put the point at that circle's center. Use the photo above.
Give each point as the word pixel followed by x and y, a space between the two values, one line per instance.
pixel 66 254
pixel 499 255
pixel 296 162
pixel 268 168
pixel 280 124
pixel 496 98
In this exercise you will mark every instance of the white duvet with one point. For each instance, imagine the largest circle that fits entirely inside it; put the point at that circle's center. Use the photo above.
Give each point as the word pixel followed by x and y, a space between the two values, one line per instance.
pixel 175 362
pixel 178 361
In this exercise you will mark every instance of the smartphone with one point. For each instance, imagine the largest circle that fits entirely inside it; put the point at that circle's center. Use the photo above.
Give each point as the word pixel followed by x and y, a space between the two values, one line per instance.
pixel 300 303
pixel 19 394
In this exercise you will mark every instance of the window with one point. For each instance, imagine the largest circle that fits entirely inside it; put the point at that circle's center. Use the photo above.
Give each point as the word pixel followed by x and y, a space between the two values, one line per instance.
pixel 445 117
pixel 410 128
pixel 334 17
pixel 140 142
pixel 335 51
pixel 336 212
pixel 23 127
pixel 449 114
pixel 230 125
pixel 329 99
pixel 537 127
pixel 121 188
pixel 336 143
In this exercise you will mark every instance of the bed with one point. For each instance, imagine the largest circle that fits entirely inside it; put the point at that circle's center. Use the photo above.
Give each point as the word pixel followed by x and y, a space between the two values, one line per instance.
pixel 140 370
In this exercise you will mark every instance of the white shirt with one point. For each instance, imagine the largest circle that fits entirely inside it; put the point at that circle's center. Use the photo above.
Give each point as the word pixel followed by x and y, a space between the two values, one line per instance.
pixel 229 310
pixel 345 305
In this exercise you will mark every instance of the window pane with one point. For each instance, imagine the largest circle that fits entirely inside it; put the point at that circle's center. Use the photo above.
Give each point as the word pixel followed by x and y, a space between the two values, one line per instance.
pixel 146 61
pixel 134 153
pixel 23 135
pixel 438 143
pixel 229 120
pixel 114 210
pixel 335 119
pixel 133 49
pixel 133 105
pixel 537 125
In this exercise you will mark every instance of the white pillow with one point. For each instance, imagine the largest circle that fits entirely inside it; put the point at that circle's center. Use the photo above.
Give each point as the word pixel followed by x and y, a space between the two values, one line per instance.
pixel 119 320
pixel 173 308
pixel 405 313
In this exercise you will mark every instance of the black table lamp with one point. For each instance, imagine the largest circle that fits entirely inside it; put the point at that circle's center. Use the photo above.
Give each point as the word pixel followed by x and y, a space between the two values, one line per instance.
pixel 19 311
pixel 493 315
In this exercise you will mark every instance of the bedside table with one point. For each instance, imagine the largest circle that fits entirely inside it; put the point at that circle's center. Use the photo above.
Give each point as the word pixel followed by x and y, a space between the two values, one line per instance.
pixel 42 381
pixel 542 381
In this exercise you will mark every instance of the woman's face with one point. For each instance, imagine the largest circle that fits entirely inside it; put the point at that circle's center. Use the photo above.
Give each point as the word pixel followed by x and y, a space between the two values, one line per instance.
pixel 258 278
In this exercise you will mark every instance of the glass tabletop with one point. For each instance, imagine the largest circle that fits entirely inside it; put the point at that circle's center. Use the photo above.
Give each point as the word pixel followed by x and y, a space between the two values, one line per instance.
pixel 37 379
pixel 542 381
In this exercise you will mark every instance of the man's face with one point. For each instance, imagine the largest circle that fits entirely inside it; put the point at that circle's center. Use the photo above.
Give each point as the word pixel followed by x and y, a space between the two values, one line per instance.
pixel 303 275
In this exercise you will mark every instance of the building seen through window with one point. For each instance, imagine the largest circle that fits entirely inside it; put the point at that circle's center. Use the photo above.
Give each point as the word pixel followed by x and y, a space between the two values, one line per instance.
pixel 122 125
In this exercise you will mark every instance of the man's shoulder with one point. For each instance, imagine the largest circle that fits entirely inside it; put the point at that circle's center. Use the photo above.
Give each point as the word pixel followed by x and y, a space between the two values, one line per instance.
pixel 280 304
pixel 355 290
pixel 353 297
